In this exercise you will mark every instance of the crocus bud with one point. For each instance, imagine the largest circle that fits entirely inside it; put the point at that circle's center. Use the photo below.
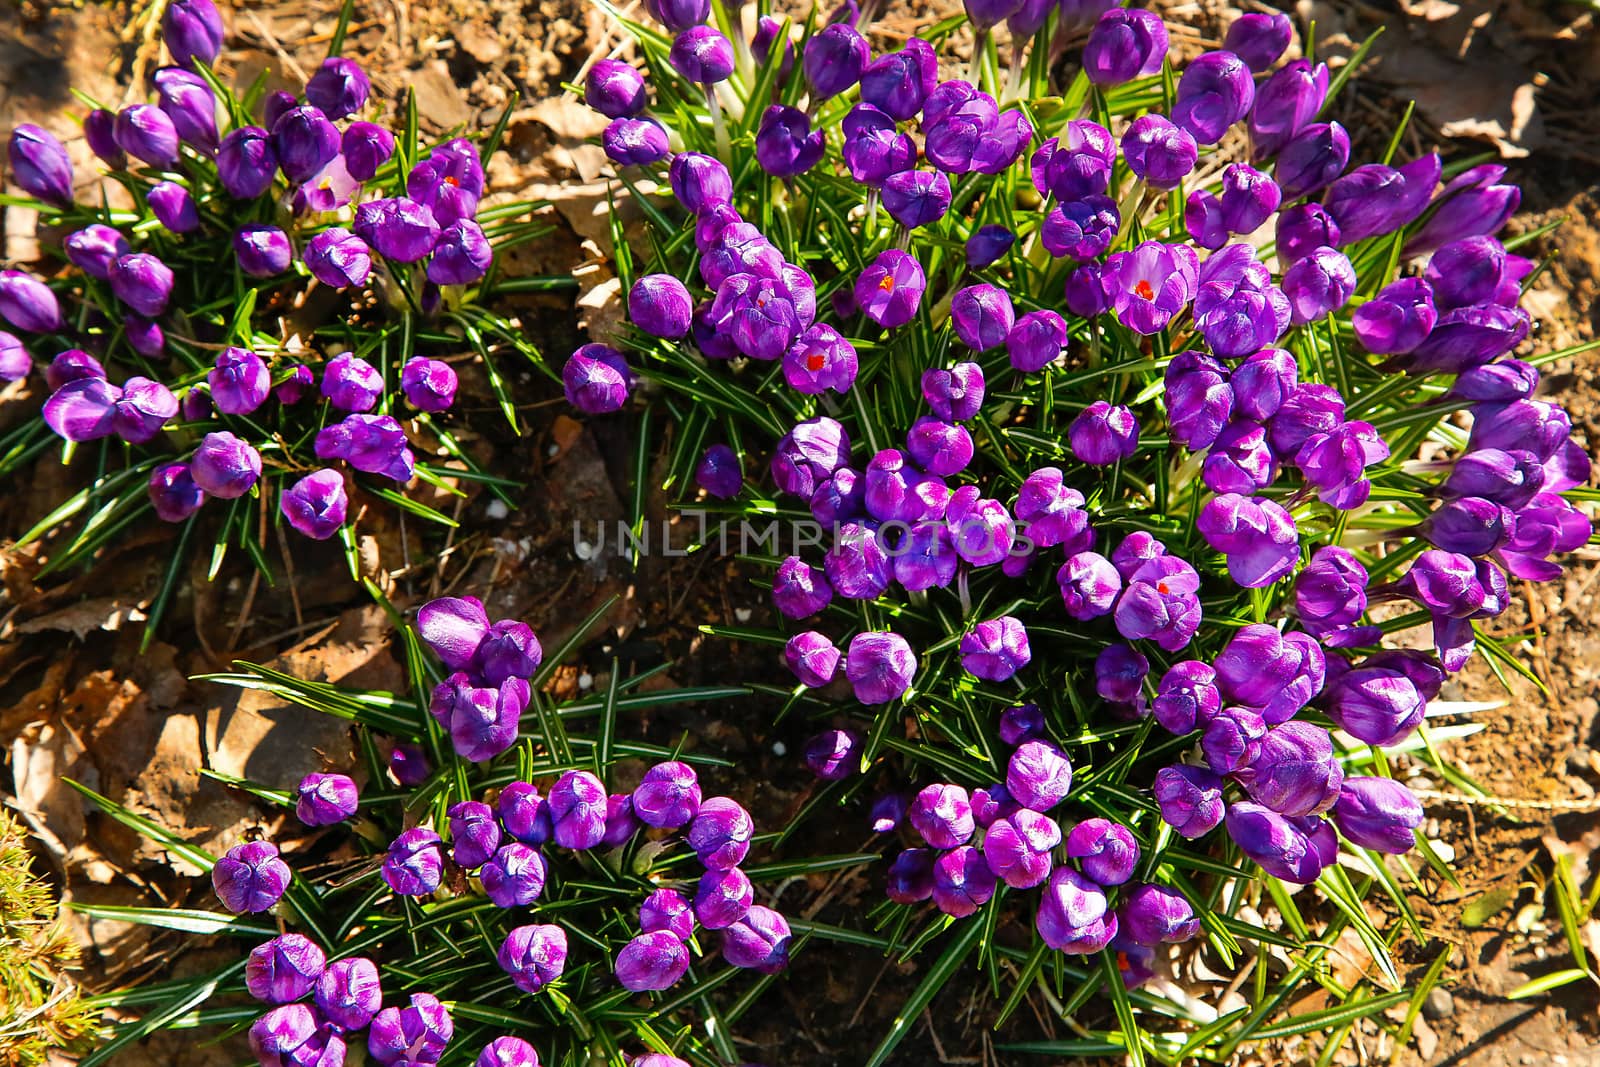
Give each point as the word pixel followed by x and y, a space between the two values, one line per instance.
pixel 758 942
pixel 250 877
pixel 409 765
pixel 986 13
pixel 507 1052
pixel 39 164
pixel 1074 916
pixel 1319 284
pixel 534 956
pixel 621 823
pixel 1331 592
pixel 339 87
pixel 142 410
pixel 1215 92
pixel 192 31
pixel 399 228
pixel 809 453
pixel 1102 434
pixel 1154 915
pixel 418 1032
pixel 915 198
pixel 1376 199
pixel 1106 851
pixel 898 82
pixel 1082 229
pixel 428 384
pixel 962 882
pixel 1277 843
pixel 1259 39
pixel 1199 399
pixel 144 336
pixel 833 755
pixel 596 379
pixel 1398 319
pixel 1089 585
pixel 83 410
pixel 1186 697
pixel 325 799
pixel 1017 847
pixel 94 248
pixel 462 255
pixel 635 142
pixel 660 305
pixel 1119 673
pixel 786 145
pixel 224 466
pixel 615 89
pixel 139 280
pixel 1377 813
pixel 666 910
pixel 1024 722
pixel 284 969
pixel 987 244
pixel 1285 104
pixel 1232 739
pixel 239 381
pixel 800 590
pixel 304 141
pixel 281 1031
pixel 147 133
pixel 942 814
pixel 834 59
pixel 338 258
pixel 514 876
pixel 350 383
pixel 722 898
pixel 880 666
pixel 190 104
pixel 15 363
pixel 1471 204
pixel 874 148
pixel 1038 775
pixel 246 162
pixel 720 833
pixel 99 129
pixel 888 812
pixel 414 863
pixel 262 250
pixel 1312 159
pixel 1158 152
pixel 1190 799
pixel 173 493
pixel 857 566
pixel 652 961
pixel 173 207
pixel 1124 44
pixel 910 879
pixel 1294 771
pixel 1381 705
pixel 365 147
pixel 474 833
pixel 668 796
pixel 996 649
pixel 702 55
pixel 578 810
pixel 350 992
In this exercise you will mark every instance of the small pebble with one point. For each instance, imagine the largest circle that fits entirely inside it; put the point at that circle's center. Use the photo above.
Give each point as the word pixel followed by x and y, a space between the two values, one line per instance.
pixel 586 681
pixel 779 748
pixel 742 614
pixel 584 550
pixel 1439 1004
pixel 497 509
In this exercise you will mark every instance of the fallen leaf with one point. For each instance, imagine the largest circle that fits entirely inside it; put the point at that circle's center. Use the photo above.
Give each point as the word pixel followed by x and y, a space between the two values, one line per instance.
pixel 87 616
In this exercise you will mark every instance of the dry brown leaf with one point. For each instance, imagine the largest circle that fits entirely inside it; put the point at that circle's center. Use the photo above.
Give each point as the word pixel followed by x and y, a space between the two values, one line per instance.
pixel 87 616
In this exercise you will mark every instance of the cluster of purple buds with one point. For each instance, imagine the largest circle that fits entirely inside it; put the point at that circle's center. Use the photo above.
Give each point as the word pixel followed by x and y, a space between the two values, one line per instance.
pixel 492 665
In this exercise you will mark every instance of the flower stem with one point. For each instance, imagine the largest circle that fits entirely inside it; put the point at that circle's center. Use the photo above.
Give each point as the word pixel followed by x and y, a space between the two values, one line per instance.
pixel 720 127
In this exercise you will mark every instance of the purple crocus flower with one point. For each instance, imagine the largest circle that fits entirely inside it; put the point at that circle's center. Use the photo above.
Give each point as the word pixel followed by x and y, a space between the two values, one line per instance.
pixel 1280 845
pixel 1154 915
pixel 1473 202
pixel 100 130
pixel 1018 847
pixel 262 251
pixel 1309 408
pixel 578 810
pixel 282 1031
pixel 83 410
pixel 1335 463
pixel 1259 39
pixel 897 83
pixel 144 408
pixel 1199 399
pixel 652 961
pixel 1074 916
pixel 1089 585
pixel 146 132
pixel 15 363
pixel 956 394
pixel 173 207
pixel 1153 282
pixel 1053 511
pixel 190 104
pixel 1377 813
pixel 786 145
pixel 94 248
pixel 596 378
pixel 665 909
pixel 1319 284
pixel 1236 307
pixel 702 55
pixel 349 992
pixel 1398 319
pixel 399 228
pixel 1158 152
pixel 833 60
pixel 874 148
pixel 962 882
pixel 1103 434
pixel 1106 851
pixel 1330 594
pixel 758 942
pixel 1190 799
pixel 942 814
pixel 418 1032
pixel 1187 697
pixel 139 280
pixel 316 505
pixel 173 493
pixel 820 359
pixel 857 566
pixel 534 956
pixel 1550 525
pixel 428 384
pixel 720 834
pixel 880 666
pixel 834 754
pixel 224 466
pixel 462 255
pixel 722 898
pixel 1240 460
pixel 1075 165
pixel 910 877
pixel 339 87
pixel 325 799
pixel 1257 536
pixel 1376 199
pixel 1382 700
pixel 927 557
pixel 1294 770
pixel 720 472
pixel 1215 92
pixel 800 590
pixel 889 291
pixel 1159 602
pixel 304 141
pixel 1125 44
pixel 515 876
pixel 1285 103
pixel 1312 159
pixel 246 162
pixel 250 877
pixel 507 1051
pixel 39 164
pixel 1082 229
pixel 365 146
pixel 414 863
pixel 679 15
pixel 916 198
pixel 284 969
pixel 995 649
pixel 660 305
pixel 192 30
pixel 1038 775
pixel 1119 674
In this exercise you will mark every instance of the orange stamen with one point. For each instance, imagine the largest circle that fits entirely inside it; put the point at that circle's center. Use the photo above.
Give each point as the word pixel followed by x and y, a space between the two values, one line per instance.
pixel 1144 291
pixel 887 284
pixel 1161 587
pixel 815 361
